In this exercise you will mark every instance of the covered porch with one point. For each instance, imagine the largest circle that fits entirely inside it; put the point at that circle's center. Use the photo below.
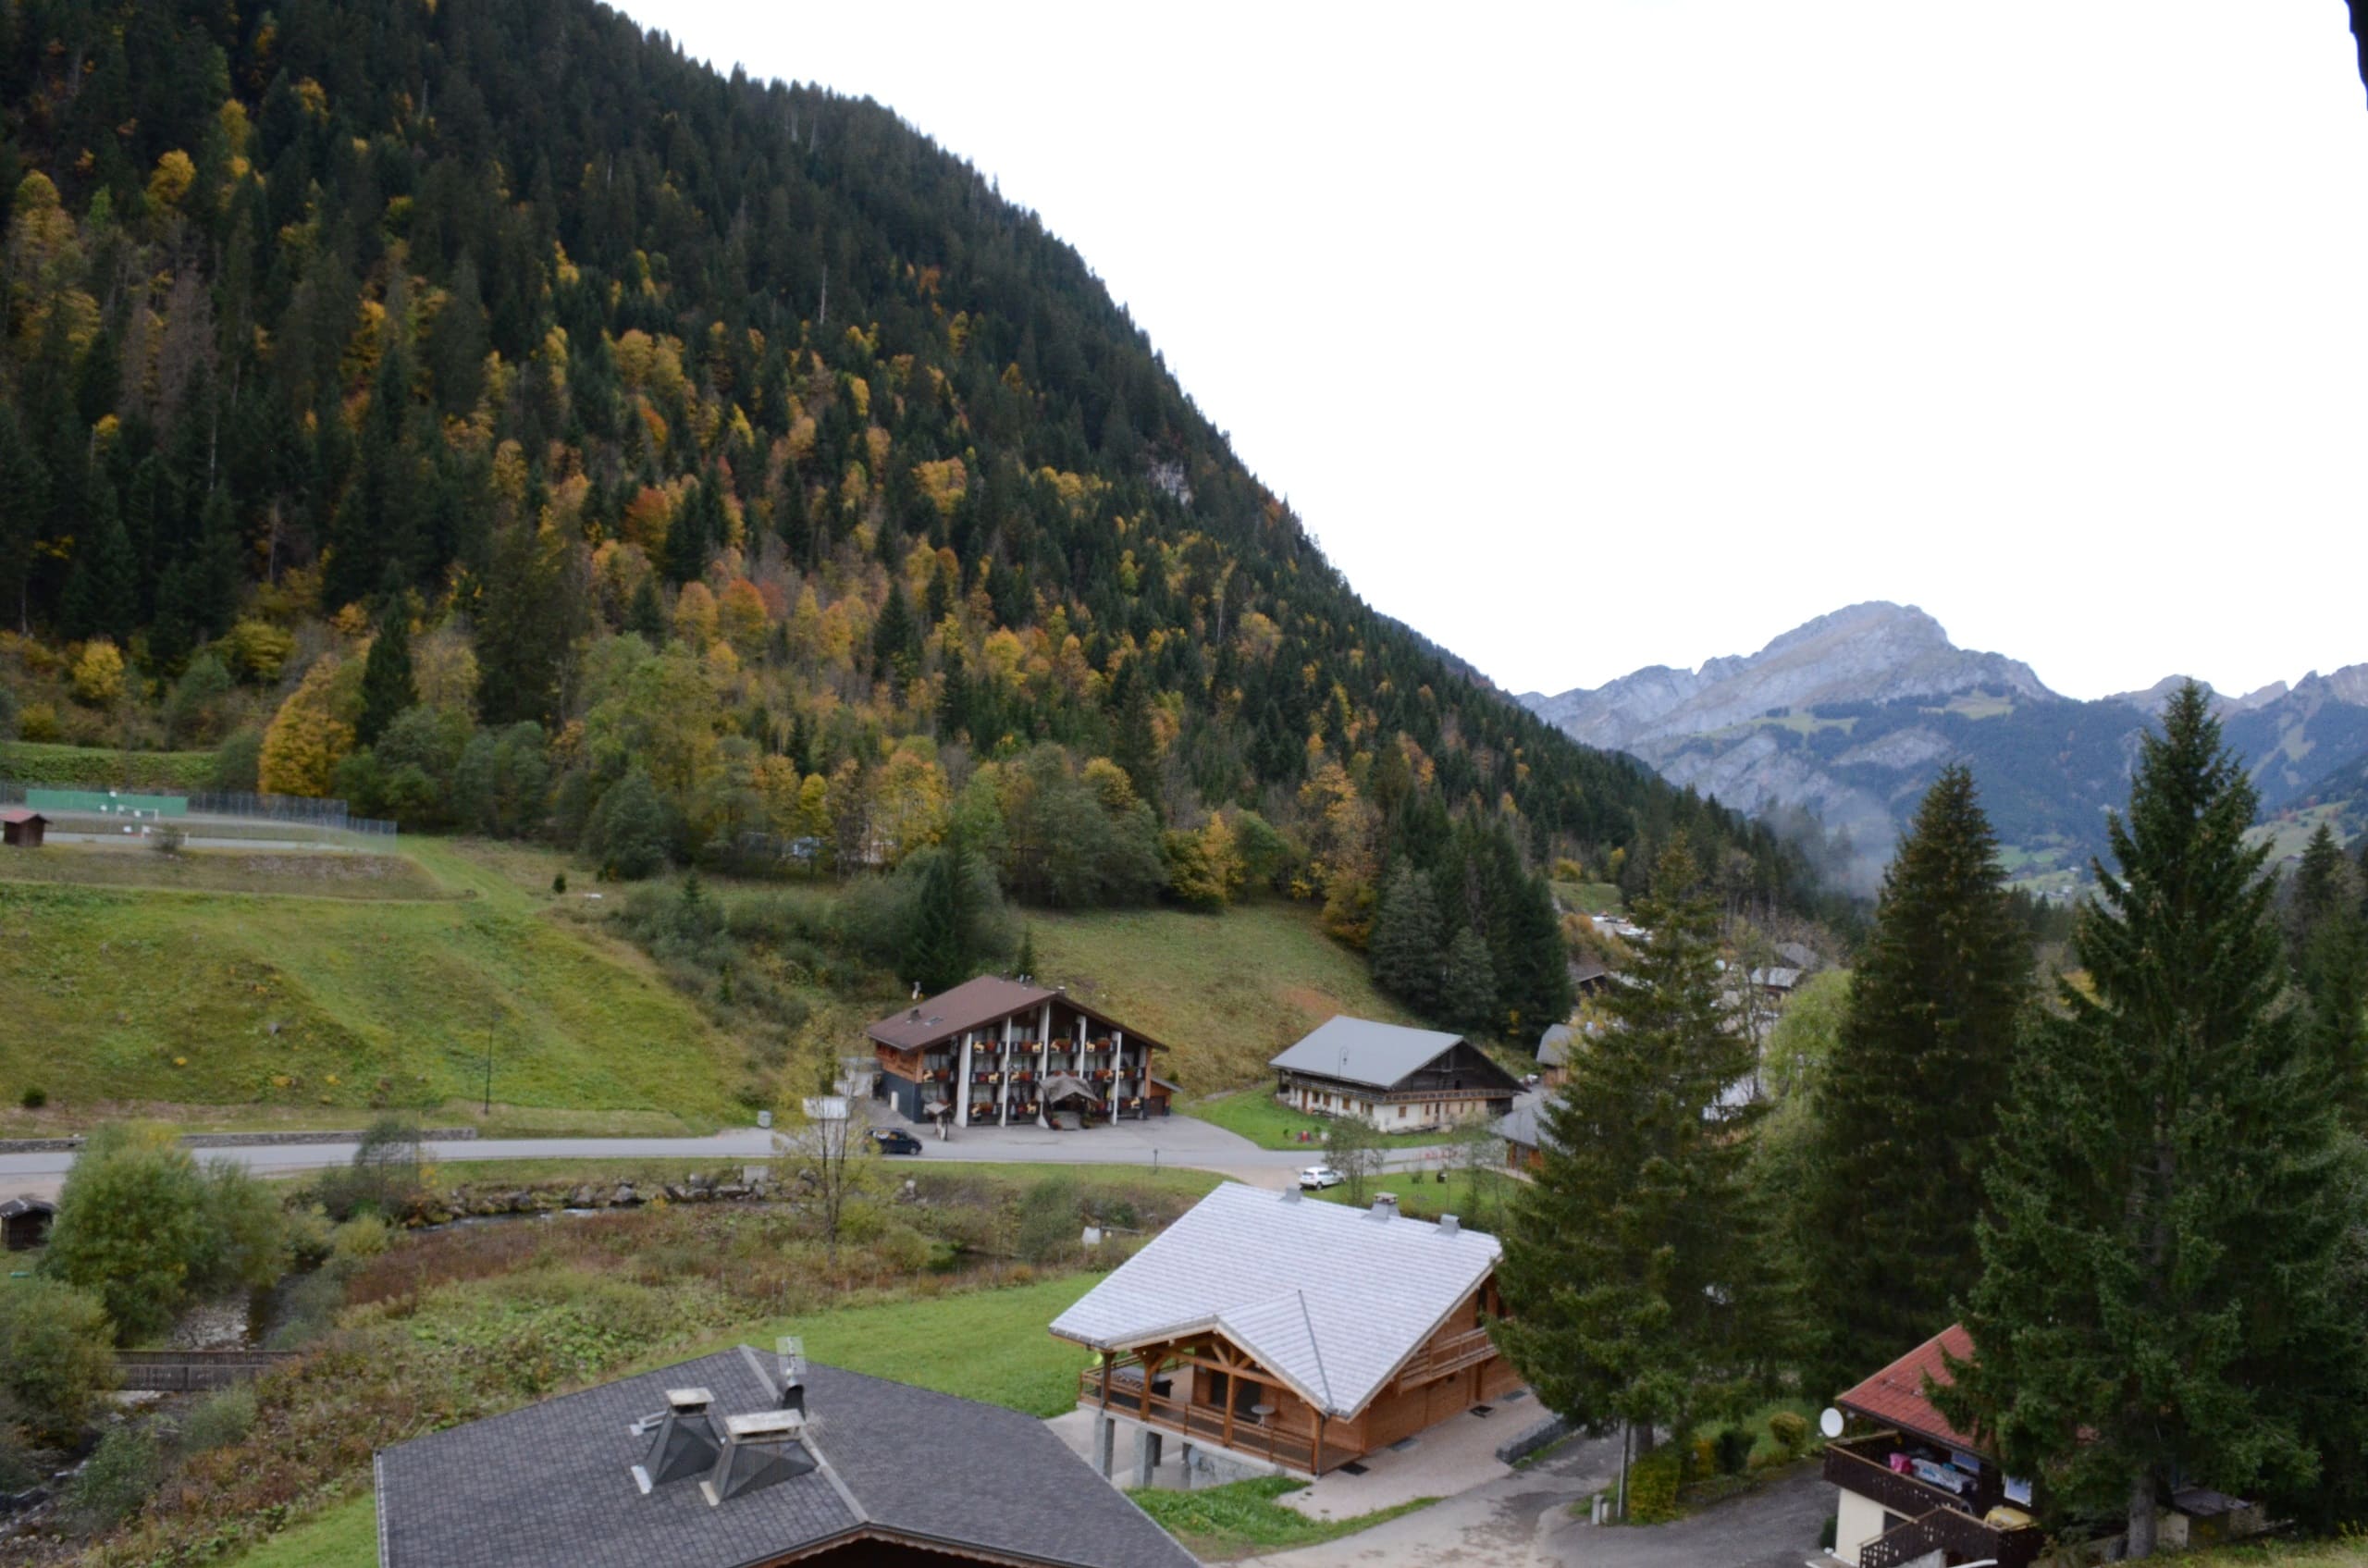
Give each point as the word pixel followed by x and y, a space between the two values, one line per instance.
pixel 1211 1392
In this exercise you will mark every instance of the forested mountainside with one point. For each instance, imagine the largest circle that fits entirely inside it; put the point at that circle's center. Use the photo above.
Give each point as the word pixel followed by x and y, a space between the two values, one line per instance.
pixel 484 413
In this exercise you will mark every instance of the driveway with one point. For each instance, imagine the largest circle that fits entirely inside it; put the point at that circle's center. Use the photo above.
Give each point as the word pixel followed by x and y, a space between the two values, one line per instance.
pixel 1524 1521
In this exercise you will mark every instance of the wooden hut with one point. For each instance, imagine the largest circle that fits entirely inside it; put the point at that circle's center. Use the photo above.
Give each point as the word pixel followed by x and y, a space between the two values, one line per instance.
pixel 24 1223
pixel 22 828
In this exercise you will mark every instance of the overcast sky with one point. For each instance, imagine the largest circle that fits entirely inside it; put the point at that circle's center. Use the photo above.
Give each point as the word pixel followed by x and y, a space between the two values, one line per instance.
pixel 1621 332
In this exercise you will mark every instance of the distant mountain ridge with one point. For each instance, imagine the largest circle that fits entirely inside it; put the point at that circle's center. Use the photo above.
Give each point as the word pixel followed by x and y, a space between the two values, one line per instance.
pixel 1848 717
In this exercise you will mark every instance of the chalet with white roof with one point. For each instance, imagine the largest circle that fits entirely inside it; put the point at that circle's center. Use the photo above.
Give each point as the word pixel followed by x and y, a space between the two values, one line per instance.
pixel 1290 1332
pixel 1399 1080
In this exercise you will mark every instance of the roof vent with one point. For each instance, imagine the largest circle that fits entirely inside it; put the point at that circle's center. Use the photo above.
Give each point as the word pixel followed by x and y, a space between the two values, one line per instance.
pixel 1450 1225
pixel 917 1015
pixel 1384 1206
pixel 685 1444
pixel 759 1451
pixel 1290 1194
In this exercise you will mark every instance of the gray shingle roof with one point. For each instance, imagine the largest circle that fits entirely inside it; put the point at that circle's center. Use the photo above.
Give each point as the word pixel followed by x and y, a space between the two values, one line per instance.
pixel 27 1205
pixel 1361 1051
pixel 1554 1045
pixel 1522 1125
pixel 550 1486
pixel 1326 1297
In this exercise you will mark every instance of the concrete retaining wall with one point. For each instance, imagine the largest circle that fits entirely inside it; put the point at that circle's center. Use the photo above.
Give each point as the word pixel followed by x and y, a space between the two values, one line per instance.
pixel 234 1140
pixel 1544 1434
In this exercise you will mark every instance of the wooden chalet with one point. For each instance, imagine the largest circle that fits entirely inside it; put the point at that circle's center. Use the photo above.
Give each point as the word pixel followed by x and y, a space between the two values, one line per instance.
pixel 25 1222
pixel 1912 1485
pixel 1293 1334
pixel 22 828
pixel 999 1053
pixel 1399 1080
pixel 1523 1132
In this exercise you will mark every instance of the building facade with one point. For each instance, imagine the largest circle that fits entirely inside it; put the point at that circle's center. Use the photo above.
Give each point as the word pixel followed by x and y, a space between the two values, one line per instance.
pixel 1397 1078
pixel 998 1052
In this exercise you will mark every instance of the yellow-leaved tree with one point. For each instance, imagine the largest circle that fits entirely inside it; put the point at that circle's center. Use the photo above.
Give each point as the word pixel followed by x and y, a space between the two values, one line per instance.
pixel 307 737
pixel 98 675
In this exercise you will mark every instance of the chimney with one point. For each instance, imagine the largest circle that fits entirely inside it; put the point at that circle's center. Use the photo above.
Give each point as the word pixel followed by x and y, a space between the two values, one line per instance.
pixel 917 1015
pixel 793 1398
pixel 1450 1225
pixel 685 1444
pixel 1386 1206
pixel 1290 1193
pixel 759 1451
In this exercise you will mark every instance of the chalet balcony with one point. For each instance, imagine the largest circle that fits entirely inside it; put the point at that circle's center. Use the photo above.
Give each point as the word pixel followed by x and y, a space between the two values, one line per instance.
pixel 1937 1519
pixel 1446 1358
pixel 1123 1392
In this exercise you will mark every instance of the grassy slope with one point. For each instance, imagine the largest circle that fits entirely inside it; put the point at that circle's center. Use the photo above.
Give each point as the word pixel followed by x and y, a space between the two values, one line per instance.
pixel 1243 1518
pixel 1255 1114
pixel 96 767
pixel 170 997
pixel 1224 992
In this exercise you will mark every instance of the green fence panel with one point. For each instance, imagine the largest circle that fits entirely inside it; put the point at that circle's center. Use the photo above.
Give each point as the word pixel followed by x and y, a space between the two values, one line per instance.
pixel 106 803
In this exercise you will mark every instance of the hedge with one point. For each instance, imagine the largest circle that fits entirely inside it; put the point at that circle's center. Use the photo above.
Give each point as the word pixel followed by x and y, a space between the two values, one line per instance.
pixel 96 767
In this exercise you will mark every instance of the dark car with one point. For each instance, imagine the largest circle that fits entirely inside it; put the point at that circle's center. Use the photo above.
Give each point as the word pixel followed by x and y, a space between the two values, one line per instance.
pixel 893 1140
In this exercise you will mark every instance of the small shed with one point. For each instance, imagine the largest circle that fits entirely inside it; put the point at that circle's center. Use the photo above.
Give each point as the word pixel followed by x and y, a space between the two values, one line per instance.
pixel 23 828
pixel 24 1223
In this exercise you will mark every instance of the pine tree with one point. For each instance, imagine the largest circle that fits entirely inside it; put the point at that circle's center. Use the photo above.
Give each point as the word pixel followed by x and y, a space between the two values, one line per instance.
pixel 102 592
pixel 1635 1275
pixel 1908 1103
pixel 936 953
pixel 645 615
pixel 386 687
pixel 2163 1296
pixel 1404 948
pixel 1025 965
pixel 1468 983
pixel 2327 937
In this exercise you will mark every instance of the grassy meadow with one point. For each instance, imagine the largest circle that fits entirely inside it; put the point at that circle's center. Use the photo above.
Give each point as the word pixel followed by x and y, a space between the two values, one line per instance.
pixel 1224 992
pixel 269 996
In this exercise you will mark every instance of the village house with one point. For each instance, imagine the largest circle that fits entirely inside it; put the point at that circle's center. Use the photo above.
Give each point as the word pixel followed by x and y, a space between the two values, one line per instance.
pixel 999 1053
pixel 1399 1080
pixel 1912 1485
pixel 739 1459
pixel 1269 1332
pixel 1524 1133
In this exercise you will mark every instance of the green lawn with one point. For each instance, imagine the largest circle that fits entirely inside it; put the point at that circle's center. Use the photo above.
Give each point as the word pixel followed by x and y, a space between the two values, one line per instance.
pixel 312 873
pixel 1254 1113
pixel 1243 1519
pixel 276 1004
pixel 344 1535
pixel 1420 1196
pixel 1224 992
pixel 985 1344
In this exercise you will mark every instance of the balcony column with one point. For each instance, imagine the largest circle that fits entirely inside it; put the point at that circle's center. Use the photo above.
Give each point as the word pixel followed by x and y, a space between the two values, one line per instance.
pixel 1003 1103
pixel 1184 1465
pixel 1106 1441
pixel 1146 1456
pixel 961 1091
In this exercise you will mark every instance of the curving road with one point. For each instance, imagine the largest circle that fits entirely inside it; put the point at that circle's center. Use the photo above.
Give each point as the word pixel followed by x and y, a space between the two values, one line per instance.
pixel 1176 1139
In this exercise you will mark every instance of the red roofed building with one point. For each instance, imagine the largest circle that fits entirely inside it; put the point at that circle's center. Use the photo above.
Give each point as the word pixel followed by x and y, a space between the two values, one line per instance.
pixel 1912 1485
pixel 23 828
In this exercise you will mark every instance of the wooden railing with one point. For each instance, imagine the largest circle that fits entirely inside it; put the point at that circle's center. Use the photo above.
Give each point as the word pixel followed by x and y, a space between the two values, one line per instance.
pixel 1903 1495
pixel 1956 1535
pixel 1243 1434
pixel 1447 1357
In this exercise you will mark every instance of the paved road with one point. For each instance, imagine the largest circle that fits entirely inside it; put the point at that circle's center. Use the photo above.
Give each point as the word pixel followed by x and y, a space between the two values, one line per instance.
pixel 1178 1140
pixel 1524 1521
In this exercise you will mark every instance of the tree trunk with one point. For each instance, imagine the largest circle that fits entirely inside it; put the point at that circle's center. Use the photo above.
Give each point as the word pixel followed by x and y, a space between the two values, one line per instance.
pixel 2141 1514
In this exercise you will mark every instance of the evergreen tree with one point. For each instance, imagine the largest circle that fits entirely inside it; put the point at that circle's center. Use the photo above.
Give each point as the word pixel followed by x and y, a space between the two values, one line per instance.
pixel 646 614
pixel 2164 1296
pixel 1025 966
pixel 386 687
pixel 2327 937
pixel 1136 746
pixel 1906 1107
pixel 1467 984
pixel 102 594
pixel 937 953
pixel 527 617
pixel 1635 1275
pixel 1404 947
pixel 895 642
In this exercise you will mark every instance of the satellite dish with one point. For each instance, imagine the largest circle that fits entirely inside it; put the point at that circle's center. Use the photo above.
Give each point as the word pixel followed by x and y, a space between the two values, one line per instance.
pixel 1831 1422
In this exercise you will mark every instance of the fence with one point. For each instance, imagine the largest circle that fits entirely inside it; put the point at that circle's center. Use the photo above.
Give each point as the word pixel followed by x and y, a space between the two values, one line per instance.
pixel 297 811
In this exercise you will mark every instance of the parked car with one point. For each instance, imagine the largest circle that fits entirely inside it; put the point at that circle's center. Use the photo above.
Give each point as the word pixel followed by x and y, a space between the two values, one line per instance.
pixel 1317 1178
pixel 896 1140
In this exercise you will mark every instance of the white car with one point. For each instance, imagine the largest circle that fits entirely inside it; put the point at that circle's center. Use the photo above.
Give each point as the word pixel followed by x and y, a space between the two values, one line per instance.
pixel 1317 1178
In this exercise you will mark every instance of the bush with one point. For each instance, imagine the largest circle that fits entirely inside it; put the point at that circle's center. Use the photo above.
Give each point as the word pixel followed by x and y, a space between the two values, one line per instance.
pixel 1652 1485
pixel 1735 1447
pixel 118 1478
pixel 221 1418
pixel 35 1098
pixel 559 882
pixel 132 1226
pixel 56 1355
pixel 1791 1431
pixel 363 1236
pixel 1048 1219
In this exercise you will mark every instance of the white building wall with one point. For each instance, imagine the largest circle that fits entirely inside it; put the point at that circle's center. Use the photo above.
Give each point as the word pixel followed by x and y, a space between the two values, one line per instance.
pixel 1861 1519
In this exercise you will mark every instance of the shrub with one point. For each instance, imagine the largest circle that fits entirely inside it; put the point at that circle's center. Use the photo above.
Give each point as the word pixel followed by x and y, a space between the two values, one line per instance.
pixel 1735 1447
pixel 56 1355
pixel 1048 1219
pixel 38 722
pixel 118 1478
pixel 167 841
pixel 1791 1431
pixel 559 882
pixel 221 1418
pixel 132 1226
pixel 35 1098
pixel 1652 1485
pixel 363 1236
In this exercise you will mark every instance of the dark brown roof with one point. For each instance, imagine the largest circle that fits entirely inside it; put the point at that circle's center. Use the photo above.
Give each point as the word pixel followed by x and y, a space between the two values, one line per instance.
pixel 1895 1395
pixel 975 1003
